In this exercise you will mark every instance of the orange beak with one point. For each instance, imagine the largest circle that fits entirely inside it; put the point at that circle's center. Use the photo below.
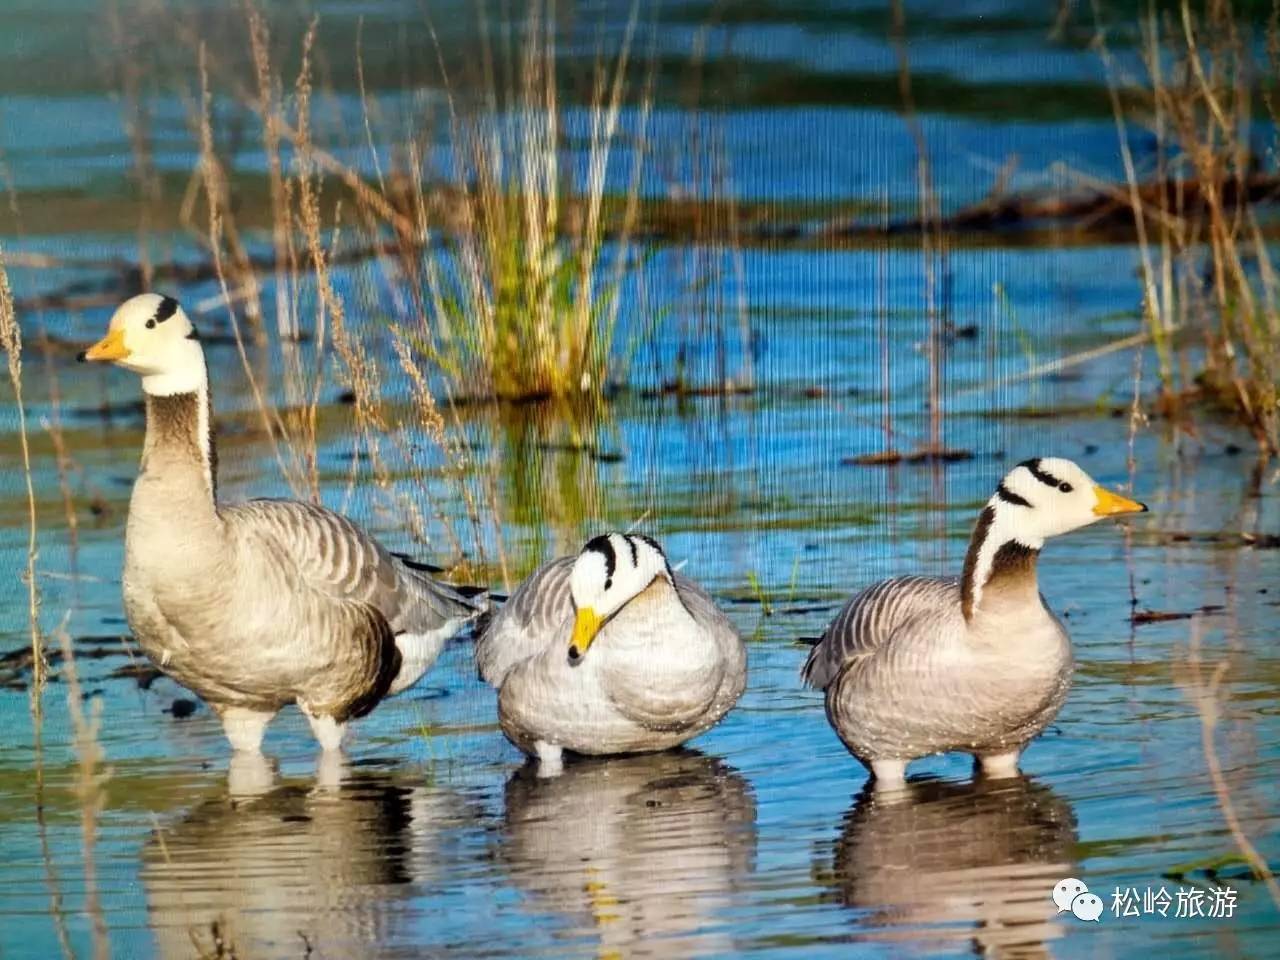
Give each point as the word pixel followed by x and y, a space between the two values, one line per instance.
pixel 110 347
pixel 585 627
pixel 1112 504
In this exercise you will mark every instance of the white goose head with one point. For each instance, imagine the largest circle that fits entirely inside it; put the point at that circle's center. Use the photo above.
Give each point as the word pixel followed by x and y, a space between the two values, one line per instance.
pixel 611 570
pixel 151 335
pixel 1038 499
pixel 1050 496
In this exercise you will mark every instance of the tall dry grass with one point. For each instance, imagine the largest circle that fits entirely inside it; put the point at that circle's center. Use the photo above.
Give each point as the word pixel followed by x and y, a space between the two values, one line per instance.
pixel 502 281
pixel 1211 302
pixel 323 211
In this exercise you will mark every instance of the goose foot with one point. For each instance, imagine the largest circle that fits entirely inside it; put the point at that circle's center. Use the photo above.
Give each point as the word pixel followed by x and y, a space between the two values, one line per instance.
pixel 550 759
pixel 999 766
pixel 889 774
pixel 327 731
pixel 244 727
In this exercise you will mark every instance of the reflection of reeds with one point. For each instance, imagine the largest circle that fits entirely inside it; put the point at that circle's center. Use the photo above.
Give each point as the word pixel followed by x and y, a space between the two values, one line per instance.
pixel 89 787
pixel 1206 270
pixel 1205 692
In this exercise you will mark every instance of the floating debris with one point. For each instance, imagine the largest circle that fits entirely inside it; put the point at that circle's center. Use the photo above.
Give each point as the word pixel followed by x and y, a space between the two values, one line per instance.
pixel 1163 616
pixel 891 457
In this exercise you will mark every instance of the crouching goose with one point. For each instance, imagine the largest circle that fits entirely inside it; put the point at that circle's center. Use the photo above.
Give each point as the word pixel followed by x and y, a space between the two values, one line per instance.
pixel 264 603
pixel 915 666
pixel 610 652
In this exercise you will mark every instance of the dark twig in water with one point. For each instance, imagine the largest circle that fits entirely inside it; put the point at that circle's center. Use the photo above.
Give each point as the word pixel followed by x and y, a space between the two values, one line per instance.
pixel 891 457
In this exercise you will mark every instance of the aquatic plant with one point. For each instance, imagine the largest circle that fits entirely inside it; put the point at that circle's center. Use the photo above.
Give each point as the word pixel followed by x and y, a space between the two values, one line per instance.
pixel 1211 301
pixel 522 301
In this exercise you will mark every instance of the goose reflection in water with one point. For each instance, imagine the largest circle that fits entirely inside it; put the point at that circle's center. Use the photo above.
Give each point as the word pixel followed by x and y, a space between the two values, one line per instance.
pixel 942 862
pixel 319 868
pixel 639 853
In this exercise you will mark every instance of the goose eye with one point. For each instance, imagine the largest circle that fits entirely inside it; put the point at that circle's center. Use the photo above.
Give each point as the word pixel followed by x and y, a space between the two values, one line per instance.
pixel 608 582
pixel 151 324
pixel 1065 487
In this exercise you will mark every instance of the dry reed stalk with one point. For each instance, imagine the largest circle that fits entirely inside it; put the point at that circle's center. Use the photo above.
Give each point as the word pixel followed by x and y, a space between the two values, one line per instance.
pixel 1156 320
pixel 458 461
pixel 301 263
pixel 63 461
pixel 933 250
pixel 323 159
pixel 214 181
pixel 360 368
pixel 57 910
pixel 268 109
pixel 136 116
pixel 238 267
pixel 11 344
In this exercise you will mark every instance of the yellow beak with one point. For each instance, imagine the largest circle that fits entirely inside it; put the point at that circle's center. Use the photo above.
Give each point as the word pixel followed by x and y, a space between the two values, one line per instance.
pixel 585 627
pixel 110 347
pixel 1112 504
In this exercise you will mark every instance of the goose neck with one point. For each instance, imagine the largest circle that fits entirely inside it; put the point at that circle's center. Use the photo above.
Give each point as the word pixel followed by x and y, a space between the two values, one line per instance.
pixel 999 570
pixel 180 436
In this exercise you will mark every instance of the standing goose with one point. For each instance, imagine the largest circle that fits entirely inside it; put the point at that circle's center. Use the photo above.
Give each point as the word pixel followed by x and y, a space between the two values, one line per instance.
pixel 264 603
pixel 610 652
pixel 915 666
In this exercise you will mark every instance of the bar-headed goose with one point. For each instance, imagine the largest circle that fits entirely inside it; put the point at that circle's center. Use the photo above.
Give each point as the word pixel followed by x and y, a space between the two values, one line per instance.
pixel 915 666
pixel 610 652
pixel 264 603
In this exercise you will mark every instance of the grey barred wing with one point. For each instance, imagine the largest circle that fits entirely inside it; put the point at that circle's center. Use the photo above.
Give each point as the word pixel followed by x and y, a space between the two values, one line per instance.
pixel 533 617
pixel 869 621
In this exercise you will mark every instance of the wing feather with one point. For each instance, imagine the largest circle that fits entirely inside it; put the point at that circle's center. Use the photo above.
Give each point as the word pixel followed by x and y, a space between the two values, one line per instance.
pixel 342 562
pixel 869 621
pixel 534 616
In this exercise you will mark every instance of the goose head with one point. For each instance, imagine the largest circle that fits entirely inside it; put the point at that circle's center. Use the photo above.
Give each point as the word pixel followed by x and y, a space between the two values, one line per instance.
pixel 611 570
pixel 151 335
pixel 1048 496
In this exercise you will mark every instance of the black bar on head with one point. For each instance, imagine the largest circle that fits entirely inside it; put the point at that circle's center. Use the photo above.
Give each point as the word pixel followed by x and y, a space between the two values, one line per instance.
pixel 603 546
pixel 168 307
pixel 1048 479
pixel 1008 496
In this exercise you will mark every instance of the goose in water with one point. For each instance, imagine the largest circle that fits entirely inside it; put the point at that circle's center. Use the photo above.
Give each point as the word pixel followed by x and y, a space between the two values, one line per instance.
pixel 264 603
pixel 610 652
pixel 915 666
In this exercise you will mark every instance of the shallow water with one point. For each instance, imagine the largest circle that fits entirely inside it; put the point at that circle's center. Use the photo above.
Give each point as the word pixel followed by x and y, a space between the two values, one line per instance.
pixel 433 838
